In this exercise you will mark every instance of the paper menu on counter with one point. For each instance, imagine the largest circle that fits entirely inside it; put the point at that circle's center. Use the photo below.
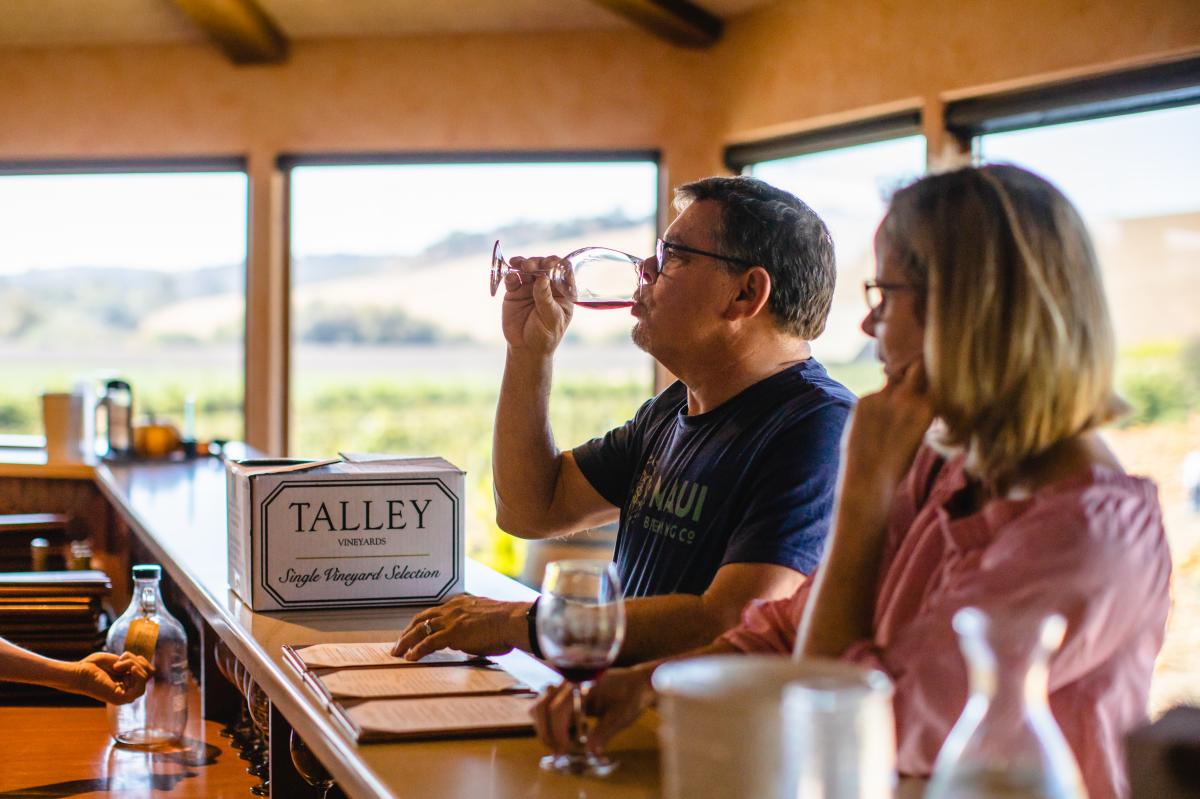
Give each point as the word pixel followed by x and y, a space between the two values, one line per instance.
pixel 377 697
pixel 418 682
pixel 398 719
pixel 363 655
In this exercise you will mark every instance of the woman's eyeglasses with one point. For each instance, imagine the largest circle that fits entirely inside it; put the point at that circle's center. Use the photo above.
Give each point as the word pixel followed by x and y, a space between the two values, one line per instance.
pixel 876 292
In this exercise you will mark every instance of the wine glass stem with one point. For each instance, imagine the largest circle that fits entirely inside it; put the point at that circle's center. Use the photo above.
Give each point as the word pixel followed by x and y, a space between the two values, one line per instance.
pixel 578 697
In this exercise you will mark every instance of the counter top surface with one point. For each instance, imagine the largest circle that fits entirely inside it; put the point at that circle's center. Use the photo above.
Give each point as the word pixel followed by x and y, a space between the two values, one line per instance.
pixel 178 510
pixel 32 462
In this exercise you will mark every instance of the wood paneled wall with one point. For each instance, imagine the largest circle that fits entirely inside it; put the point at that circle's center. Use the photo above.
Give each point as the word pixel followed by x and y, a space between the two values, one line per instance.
pixel 90 512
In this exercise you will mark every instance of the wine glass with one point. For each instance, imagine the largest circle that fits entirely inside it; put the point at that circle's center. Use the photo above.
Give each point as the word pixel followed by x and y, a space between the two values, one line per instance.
pixel 224 659
pixel 580 627
pixel 245 739
pixel 592 277
pixel 310 769
pixel 260 713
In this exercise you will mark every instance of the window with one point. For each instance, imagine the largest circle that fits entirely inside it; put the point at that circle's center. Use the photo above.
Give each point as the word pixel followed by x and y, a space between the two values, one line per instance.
pixel 847 181
pixel 136 271
pixel 1135 177
pixel 396 341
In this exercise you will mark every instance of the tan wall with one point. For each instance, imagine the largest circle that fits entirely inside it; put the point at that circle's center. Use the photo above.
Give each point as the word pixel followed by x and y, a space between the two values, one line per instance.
pixel 785 67
pixel 791 65
pixel 800 63
pixel 571 91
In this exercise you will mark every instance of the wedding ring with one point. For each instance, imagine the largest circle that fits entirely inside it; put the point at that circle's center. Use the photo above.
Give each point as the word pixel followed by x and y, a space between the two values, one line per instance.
pixel 428 628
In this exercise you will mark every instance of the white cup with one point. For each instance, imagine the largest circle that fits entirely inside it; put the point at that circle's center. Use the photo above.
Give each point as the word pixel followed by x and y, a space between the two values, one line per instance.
pixel 723 733
pixel 62 416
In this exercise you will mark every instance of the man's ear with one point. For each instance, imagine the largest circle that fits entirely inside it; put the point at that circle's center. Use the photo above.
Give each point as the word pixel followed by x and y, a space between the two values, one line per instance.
pixel 753 292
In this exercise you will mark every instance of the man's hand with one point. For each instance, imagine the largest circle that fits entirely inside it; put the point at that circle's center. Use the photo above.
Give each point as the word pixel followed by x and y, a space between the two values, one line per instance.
pixel 111 679
pixel 616 701
pixel 534 315
pixel 472 624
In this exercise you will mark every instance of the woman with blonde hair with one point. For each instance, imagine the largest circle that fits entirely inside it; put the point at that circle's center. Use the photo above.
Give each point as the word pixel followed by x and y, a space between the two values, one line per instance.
pixel 975 477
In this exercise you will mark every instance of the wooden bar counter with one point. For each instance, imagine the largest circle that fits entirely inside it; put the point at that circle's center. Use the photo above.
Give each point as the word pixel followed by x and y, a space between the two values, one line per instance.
pixel 176 515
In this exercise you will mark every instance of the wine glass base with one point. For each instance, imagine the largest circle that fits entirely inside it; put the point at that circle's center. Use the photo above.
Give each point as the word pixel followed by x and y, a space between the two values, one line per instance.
pixel 587 765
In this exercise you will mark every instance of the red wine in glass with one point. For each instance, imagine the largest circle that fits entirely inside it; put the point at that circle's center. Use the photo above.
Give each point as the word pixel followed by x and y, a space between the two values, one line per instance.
pixel 604 305
pixel 580 669
pixel 580 627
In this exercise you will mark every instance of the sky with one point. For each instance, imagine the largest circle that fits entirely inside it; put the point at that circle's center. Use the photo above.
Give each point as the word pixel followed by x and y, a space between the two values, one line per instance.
pixel 1136 165
pixel 183 221
pixel 159 221
pixel 1129 166
pixel 402 209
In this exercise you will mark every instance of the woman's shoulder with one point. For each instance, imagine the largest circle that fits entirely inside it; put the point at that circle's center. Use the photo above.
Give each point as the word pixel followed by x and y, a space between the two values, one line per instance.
pixel 1084 472
pixel 1081 477
pixel 1102 494
pixel 1099 511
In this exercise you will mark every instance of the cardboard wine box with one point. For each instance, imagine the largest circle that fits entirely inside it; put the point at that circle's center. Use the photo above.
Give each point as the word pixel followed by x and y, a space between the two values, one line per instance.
pixel 360 531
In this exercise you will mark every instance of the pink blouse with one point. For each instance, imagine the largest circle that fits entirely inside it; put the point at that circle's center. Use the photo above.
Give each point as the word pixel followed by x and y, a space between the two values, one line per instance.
pixel 1091 547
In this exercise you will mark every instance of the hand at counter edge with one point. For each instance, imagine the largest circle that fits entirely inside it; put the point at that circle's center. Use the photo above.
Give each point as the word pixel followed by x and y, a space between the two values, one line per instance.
pixel 615 701
pixel 472 624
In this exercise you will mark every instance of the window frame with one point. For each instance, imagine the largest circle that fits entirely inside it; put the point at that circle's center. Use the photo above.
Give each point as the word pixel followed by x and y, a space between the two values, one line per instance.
pixel 1149 88
pixel 123 166
pixel 285 162
pixel 35 167
pixel 740 157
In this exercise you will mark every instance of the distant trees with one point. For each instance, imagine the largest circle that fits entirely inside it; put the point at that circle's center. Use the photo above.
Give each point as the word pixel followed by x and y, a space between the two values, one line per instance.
pixel 112 303
pixel 82 303
pixel 19 313
pixel 1160 381
pixel 324 324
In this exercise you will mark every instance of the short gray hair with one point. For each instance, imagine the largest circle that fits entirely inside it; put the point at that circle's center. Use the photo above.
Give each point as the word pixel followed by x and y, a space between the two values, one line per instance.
pixel 772 228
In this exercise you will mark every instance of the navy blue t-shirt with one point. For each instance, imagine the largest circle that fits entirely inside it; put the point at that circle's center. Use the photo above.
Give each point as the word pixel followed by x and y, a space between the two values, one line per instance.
pixel 751 481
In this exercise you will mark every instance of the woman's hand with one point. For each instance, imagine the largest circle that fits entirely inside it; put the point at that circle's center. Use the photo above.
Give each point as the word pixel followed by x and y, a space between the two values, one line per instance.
pixel 885 431
pixel 884 434
pixel 616 701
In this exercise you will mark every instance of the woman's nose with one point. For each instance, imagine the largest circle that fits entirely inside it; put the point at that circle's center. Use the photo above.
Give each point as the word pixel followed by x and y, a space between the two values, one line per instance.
pixel 868 324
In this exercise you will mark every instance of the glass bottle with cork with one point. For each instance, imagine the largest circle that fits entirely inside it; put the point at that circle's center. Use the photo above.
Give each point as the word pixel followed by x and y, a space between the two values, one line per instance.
pixel 156 719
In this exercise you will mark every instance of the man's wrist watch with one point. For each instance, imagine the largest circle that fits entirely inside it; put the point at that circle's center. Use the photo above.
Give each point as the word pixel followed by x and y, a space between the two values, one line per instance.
pixel 535 648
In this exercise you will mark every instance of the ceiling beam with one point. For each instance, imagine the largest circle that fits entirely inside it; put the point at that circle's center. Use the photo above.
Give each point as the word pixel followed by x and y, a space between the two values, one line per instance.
pixel 680 22
pixel 240 28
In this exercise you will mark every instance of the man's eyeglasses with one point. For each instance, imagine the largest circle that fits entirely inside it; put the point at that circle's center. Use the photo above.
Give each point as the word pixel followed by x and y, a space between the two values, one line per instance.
pixel 876 292
pixel 664 249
